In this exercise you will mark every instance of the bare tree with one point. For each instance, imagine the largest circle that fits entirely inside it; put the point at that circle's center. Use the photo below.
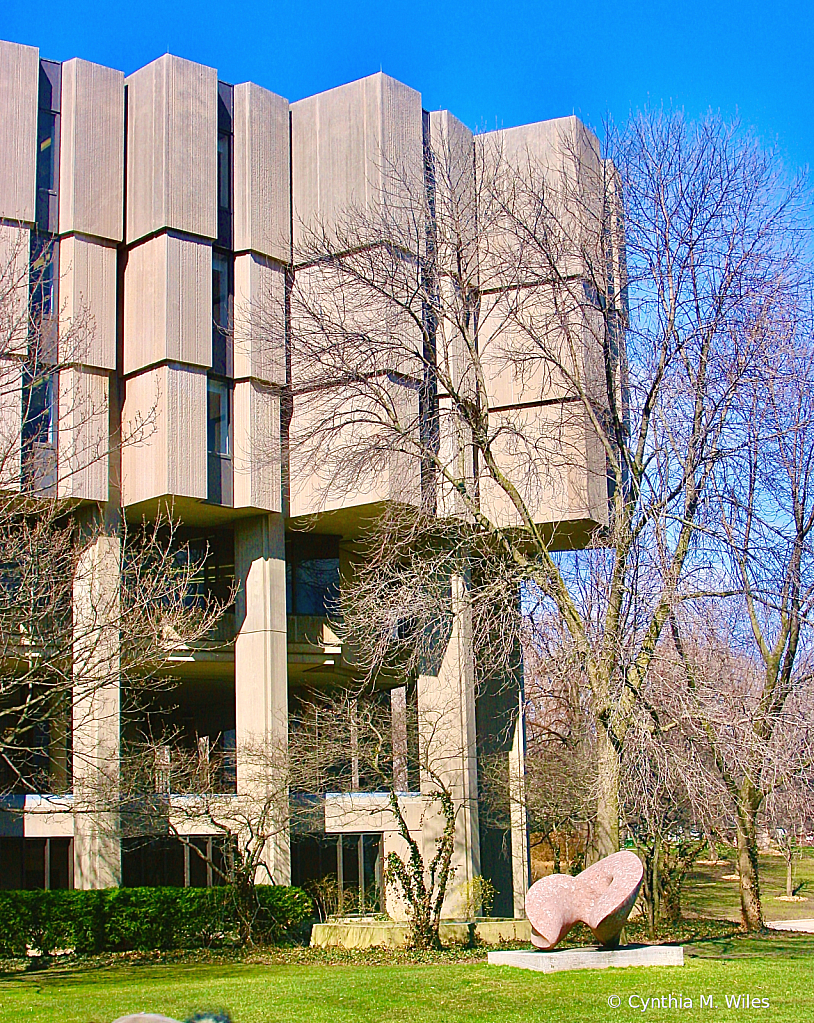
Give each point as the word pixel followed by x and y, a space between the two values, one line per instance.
pixel 87 604
pixel 618 296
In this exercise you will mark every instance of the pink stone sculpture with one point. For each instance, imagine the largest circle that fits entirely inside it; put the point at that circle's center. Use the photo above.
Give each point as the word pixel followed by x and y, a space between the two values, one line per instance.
pixel 600 897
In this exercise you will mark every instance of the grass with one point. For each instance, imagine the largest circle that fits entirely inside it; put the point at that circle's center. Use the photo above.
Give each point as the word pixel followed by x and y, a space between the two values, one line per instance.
pixel 709 891
pixel 443 988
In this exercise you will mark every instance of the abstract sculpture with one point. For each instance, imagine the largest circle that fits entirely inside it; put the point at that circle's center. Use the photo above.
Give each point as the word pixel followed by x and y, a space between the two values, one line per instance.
pixel 600 897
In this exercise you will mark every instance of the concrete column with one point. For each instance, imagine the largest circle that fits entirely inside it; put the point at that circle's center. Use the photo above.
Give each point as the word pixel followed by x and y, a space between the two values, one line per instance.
pixel 96 712
pixel 519 826
pixel 447 738
pixel 261 679
pixel 398 732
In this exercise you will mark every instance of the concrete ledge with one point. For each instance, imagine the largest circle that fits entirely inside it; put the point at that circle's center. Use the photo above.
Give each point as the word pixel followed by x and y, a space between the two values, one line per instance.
pixel 591 958
pixel 803 926
pixel 362 933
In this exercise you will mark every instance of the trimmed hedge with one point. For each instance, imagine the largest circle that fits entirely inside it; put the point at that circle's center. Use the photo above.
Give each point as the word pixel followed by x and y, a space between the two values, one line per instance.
pixel 141 919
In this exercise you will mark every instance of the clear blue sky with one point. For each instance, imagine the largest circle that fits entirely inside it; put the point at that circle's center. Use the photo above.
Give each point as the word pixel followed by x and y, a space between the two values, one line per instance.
pixel 491 64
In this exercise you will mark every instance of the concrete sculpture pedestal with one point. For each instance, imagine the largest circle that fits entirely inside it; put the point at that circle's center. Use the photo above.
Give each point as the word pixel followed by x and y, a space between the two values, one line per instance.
pixel 591 958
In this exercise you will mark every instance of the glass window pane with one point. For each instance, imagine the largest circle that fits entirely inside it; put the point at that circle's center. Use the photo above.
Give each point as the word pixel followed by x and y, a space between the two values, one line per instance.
pixel 224 171
pixel 218 417
pixel 220 290
pixel 46 146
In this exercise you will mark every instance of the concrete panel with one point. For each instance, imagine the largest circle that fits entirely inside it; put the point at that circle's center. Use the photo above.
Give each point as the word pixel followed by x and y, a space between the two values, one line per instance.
pixel 172 129
pixel 83 410
pixel 553 457
pixel 165 451
pixel 342 327
pixel 262 205
pixel 345 450
pixel 359 145
pixel 96 714
pixel 550 174
pixel 91 161
pixel 19 81
pixel 87 291
pixel 14 294
pixel 256 458
pixel 261 678
pixel 168 303
pixel 11 415
pixel 259 332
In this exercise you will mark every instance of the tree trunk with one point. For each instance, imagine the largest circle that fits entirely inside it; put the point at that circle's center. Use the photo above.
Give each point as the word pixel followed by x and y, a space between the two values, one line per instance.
pixel 606 837
pixel 789 854
pixel 746 812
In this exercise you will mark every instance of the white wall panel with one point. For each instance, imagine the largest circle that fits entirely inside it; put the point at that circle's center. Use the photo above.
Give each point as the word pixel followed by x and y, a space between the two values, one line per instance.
pixel 11 405
pixel 259 333
pixel 172 129
pixel 14 259
pixel 83 434
pixel 256 458
pixel 87 291
pixel 91 159
pixel 168 303
pixel 358 145
pixel 262 211
pixel 19 81
pixel 164 418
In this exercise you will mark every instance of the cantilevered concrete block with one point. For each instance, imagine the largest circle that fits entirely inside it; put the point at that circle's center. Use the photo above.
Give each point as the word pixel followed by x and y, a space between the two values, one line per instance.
pixel 84 397
pixel 14 289
pixel 549 174
pixel 19 78
pixel 260 319
pixel 11 406
pixel 172 129
pixel 164 421
pixel 262 209
pixel 359 146
pixel 347 450
pixel 87 291
pixel 553 456
pixel 91 159
pixel 168 303
pixel 256 458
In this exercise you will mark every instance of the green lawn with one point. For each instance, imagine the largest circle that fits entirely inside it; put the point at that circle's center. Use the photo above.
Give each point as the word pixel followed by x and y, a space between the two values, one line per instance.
pixel 709 891
pixel 778 969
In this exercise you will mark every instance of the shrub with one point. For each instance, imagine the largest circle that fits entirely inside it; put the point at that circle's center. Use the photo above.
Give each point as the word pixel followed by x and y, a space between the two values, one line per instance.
pixel 141 919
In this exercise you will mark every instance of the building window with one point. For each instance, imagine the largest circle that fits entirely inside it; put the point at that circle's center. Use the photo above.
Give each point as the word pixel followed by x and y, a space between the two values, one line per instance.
pixel 39 397
pixel 218 417
pixel 312 575
pixel 41 276
pixel 221 292
pixel 27 863
pixel 224 171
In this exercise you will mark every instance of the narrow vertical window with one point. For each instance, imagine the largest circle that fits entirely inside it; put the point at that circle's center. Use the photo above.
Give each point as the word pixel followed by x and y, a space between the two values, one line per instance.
pixel 218 417
pixel 224 171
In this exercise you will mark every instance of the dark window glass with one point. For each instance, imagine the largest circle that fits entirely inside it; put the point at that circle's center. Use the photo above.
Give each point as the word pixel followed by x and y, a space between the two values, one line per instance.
pixel 221 281
pixel 218 416
pixel 39 393
pixel 46 150
pixel 224 171
pixel 313 586
pixel 41 275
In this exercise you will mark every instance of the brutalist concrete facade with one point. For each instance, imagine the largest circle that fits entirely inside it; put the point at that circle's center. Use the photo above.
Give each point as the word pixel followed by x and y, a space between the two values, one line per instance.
pixel 173 201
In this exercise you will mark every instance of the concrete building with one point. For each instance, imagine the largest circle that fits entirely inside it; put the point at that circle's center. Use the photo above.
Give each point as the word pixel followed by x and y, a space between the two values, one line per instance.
pixel 170 201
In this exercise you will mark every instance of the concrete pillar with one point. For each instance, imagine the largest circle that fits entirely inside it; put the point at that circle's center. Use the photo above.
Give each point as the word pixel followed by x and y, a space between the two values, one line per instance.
pixel 398 733
pixel 96 712
pixel 519 826
pixel 447 739
pixel 261 680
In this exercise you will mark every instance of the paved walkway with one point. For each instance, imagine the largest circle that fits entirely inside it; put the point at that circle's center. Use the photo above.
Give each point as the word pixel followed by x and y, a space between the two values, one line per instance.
pixel 807 926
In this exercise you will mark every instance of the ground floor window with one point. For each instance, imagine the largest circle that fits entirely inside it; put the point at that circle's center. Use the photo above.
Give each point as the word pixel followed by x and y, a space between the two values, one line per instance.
pixel 197 862
pixel 27 863
pixel 344 873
